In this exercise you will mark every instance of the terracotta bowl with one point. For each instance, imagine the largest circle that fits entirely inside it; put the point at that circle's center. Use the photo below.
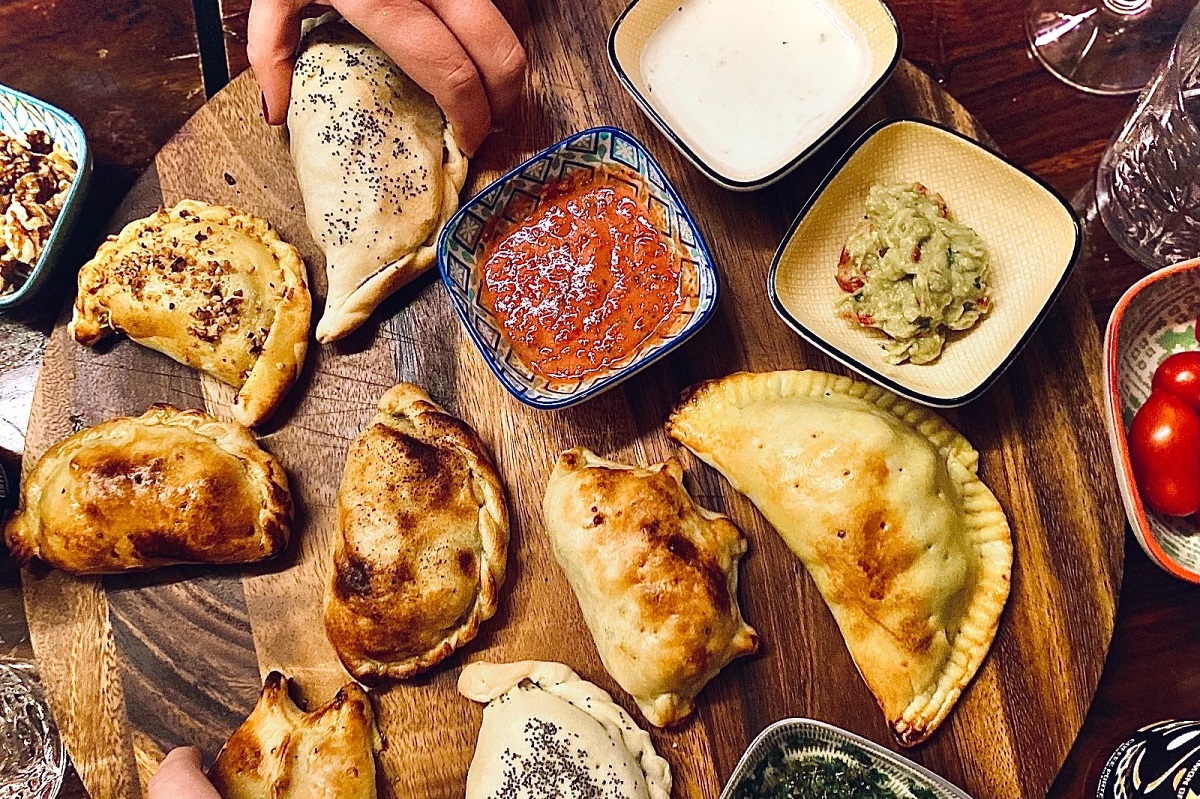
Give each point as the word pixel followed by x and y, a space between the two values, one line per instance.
pixel 1155 318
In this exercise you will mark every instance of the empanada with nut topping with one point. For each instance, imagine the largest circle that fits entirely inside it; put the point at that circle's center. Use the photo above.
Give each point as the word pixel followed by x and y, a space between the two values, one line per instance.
pixel 212 287
pixel 655 575
pixel 422 540
pixel 881 501
pixel 166 487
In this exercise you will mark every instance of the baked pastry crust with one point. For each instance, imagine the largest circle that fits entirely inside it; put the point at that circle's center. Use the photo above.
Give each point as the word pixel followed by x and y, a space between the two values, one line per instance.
pixel 422 540
pixel 375 197
pixel 210 286
pixel 655 575
pixel 538 710
pixel 882 502
pixel 284 753
pixel 166 487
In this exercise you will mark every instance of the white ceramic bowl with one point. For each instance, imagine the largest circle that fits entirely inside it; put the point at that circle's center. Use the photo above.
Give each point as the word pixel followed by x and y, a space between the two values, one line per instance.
pixel 641 19
pixel 1155 318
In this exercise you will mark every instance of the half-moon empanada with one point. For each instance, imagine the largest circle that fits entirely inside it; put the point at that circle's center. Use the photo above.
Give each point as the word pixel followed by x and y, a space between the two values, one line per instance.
pixel 422 540
pixel 547 734
pixel 378 168
pixel 655 575
pixel 166 487
pixel 212 287
pixel 880 500
pixel 282 752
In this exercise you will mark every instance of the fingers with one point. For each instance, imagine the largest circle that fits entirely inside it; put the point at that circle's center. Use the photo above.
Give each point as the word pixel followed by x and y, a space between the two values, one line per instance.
pixel 179 777
pixel 492 44
pixel 428 52
pixel 272 33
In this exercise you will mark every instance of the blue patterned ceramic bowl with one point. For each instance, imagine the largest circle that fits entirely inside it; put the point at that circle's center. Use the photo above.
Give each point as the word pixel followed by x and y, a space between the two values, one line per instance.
pixel 20 113
pixel 461 247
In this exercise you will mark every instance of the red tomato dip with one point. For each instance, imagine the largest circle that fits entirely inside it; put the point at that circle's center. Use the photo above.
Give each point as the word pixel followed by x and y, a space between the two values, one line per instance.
pixel 586 280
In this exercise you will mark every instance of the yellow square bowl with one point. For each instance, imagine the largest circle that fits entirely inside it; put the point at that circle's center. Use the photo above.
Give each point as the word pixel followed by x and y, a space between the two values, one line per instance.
pixel 641 18
pixel 1032 235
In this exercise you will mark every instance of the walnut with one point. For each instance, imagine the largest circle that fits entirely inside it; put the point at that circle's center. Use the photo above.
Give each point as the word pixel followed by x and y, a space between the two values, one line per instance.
pixel 35 176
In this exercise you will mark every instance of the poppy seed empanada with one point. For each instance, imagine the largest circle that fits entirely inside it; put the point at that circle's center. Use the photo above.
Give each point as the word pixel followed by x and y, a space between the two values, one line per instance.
pixel 422 540
pixel 166 487
pixel 655 575
pixel 547 734
pixel 284 753
pixel 880 500
pixel 378 168
pixel 212 287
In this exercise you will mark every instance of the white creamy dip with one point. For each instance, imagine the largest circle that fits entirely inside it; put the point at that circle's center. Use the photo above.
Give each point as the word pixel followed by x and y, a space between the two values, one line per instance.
pixel 748 84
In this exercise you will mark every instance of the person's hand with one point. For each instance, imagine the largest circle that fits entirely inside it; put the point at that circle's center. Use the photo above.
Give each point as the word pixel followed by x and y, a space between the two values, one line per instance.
pixel 463 52
pixel 179 776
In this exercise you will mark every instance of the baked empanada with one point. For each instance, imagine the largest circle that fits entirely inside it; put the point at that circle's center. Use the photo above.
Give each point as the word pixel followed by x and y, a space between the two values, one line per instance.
pixel 282 752
pixel 166 487
pixel 422 540
pixel 547 734
pixel 378 168
pixel 880 500
pixel 212 287
pixel 655 575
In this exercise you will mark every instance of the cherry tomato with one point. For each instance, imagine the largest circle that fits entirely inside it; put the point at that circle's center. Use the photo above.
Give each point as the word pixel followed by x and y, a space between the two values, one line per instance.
pixel 1164 449
pixel 1180 375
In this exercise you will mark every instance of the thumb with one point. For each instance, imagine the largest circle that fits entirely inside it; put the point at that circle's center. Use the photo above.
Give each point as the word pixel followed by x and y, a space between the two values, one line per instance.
pixel 179 777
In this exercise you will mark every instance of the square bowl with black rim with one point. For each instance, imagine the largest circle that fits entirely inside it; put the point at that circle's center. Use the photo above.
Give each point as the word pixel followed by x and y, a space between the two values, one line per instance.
pixel 462 247
pixel 1031 233
pixel 21 113
pixel 867 23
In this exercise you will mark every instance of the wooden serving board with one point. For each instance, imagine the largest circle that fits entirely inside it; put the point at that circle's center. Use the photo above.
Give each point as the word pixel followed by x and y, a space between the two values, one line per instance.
pixel 137 664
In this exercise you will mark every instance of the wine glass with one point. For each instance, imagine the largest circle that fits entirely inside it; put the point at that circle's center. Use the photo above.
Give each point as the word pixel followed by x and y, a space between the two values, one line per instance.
pixel 1148 183
pixel 1103 46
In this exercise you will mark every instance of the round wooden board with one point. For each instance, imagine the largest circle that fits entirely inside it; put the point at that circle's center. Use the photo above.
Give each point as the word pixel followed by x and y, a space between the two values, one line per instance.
pixel 138 664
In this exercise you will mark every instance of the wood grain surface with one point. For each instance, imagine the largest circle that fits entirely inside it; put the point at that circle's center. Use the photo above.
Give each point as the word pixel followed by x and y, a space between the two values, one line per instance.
pixel 138 664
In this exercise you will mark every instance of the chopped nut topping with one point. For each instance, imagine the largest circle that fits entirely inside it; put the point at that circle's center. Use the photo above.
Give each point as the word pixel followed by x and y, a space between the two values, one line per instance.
pixel 35 175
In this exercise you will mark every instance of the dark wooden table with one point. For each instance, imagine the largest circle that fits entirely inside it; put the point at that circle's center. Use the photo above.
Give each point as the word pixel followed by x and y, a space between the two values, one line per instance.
pixel 132 71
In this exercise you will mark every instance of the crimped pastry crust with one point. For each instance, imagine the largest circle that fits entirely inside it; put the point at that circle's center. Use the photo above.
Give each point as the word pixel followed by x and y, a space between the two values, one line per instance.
pixel 375 196
pixel 705 420
pixel 166 487
pixel 655 574
pixel 282 752
pixel 210 286
pixel 495 682
pixel 422 540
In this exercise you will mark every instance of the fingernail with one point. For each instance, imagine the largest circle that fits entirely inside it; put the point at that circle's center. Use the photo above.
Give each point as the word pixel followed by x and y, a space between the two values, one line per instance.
pixel 263 98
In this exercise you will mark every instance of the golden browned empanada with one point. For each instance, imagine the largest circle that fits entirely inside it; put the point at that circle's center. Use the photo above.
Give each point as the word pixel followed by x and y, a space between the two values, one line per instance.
pixel 422 540
pixel 166 487
pixel 655 575
pixel 212 287
pixel 378 168
pixel 547 734
pixel 282 752
pixel 880 500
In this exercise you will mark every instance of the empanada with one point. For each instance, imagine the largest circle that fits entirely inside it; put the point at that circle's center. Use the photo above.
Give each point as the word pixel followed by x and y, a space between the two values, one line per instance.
pixel 212 287
pixel 378 168
pixel 422 540
pixel 880 500
pixel 166 487
pixel 547 734
pixel 655 575
pixel 282 752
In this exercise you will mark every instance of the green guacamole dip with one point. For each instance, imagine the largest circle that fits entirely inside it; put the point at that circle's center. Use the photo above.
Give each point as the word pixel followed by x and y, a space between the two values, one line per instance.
pixel 913 272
